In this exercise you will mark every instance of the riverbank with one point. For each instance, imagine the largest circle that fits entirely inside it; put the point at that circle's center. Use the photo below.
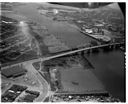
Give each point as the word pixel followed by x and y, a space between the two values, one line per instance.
pixel 77 76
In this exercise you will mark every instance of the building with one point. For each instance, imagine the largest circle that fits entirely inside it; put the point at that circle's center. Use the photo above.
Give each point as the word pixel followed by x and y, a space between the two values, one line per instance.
pixel 14 71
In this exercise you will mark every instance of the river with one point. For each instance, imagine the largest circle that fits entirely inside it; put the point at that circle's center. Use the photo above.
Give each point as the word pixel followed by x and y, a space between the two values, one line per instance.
pixel 62 30
pixel 109 67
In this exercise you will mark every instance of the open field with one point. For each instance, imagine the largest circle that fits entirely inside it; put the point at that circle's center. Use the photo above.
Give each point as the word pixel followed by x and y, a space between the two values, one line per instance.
pixel 73 75
pixel 16 44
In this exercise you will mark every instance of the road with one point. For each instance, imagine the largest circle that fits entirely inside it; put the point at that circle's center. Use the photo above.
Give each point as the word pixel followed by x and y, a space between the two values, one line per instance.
pixel 44 87
pixel 62 54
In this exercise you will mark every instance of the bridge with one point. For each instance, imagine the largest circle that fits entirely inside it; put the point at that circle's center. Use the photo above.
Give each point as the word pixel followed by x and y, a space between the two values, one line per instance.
pixel 84 49
pixel 68 53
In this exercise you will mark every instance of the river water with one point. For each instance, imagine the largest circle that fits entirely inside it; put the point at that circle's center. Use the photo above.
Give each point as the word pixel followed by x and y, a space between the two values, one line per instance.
pixel 109 67
pixel 62 30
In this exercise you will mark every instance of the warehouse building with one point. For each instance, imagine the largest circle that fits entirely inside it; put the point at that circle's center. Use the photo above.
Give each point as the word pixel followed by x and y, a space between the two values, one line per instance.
pixel 14 71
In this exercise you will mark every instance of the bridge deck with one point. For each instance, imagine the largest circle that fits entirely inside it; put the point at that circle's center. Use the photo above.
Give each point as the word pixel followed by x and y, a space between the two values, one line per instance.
pixel 68 53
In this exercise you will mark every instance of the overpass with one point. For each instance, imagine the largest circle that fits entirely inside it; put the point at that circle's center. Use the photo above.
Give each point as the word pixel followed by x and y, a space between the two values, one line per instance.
pixel 67 53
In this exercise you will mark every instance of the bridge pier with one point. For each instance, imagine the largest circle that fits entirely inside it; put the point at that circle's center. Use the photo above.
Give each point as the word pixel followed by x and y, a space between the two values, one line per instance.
pixel 91 51
pixel 95 50
pixel 88 51
pixel 117 46
pixel 114 46
pixel 106 48
pixel 82 53
pixel 111 47
pixel 77 53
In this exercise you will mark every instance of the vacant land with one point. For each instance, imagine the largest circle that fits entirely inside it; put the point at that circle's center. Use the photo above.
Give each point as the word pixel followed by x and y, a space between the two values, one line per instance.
pixel 72 74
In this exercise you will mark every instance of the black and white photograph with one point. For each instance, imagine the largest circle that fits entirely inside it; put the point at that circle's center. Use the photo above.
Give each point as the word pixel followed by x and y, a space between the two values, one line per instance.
pixel 63 52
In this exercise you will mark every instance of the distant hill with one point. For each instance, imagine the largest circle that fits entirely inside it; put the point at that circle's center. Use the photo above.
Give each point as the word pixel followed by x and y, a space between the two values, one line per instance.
pixel 82 4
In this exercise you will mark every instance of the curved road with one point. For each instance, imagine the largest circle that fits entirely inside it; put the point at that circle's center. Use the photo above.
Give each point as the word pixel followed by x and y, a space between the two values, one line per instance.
pixel 45 86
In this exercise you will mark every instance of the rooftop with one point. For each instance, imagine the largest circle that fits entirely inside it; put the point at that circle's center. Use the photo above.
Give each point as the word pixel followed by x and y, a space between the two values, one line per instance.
pixel 13 71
